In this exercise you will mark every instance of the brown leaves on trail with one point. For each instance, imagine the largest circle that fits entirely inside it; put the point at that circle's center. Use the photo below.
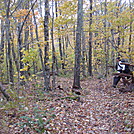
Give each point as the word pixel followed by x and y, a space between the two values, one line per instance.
pixel 100 109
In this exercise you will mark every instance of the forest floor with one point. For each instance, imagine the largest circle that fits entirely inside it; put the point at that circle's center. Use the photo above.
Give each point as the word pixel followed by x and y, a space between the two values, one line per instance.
pixel 100 109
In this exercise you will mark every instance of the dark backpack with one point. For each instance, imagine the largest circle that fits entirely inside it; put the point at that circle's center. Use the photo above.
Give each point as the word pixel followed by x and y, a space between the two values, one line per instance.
pixel 127 69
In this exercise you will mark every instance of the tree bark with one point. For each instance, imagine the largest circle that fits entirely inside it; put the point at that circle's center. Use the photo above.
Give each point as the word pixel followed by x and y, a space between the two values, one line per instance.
pixel 2 42
pixel 9 56
pixel 46 48
pixel 90 41
pixel 76 81
pixel 53 51
pixel 130 48
pixel 105 39
pixel 2 49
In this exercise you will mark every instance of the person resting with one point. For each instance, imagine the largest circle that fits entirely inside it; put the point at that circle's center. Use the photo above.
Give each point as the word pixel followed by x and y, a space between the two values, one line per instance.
pixel 121 67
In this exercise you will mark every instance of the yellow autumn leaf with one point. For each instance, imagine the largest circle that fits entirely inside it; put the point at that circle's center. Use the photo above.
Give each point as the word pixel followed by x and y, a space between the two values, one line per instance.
pixel 24 69
pixel 26 53
pixel 22 77
pixel 30 79
pixel 22 50
pixel 33 75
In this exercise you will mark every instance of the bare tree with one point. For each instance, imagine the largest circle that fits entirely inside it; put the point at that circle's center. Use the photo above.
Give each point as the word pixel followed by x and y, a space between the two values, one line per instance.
pixel 130 49
pixel 76 82
pixel 106 45
pixel 90 41
pixel 2 48
pixel 2 41
pixel 8 40
pixel 53 50
pixel 46 48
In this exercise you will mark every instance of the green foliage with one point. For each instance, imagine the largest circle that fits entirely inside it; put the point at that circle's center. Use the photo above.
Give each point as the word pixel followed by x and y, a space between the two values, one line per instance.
pixel 29 56
pixel 38 122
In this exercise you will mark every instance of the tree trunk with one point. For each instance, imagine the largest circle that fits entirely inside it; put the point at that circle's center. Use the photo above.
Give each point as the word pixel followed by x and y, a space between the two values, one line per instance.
pixel 53 52
pixel 90 42
pixel 105 39
pixel 26 30
pixel 76 81
pixel 2 42
pixel 14 54
pixel 2 50
pixel 46 48
pixel 59 39
pixel 10 69
pixel 119 32
pixel 63 51
pixel 112 48
pixel 37 38
pixel 130 48
pixel 19 41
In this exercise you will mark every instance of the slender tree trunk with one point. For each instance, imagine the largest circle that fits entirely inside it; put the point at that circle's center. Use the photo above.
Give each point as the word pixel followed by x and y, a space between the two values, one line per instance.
pixel 53 51
pixel 113 47
pixel 37 38
pixel 32 40
pixel 26 35
pixel 83 55
pixel 90 41
pixel 130 48
pixel 9 44
pixel 2 42
pixel 63 50
pixel 59 38
pixel 7 64
pixel 19 43
pixel 14 54
pixel 2 50
pixel 61 53
pixel 119 32
pixel 46 48
pixel 26 30
pixel 105 40
pixel 76 82
pixel 74 35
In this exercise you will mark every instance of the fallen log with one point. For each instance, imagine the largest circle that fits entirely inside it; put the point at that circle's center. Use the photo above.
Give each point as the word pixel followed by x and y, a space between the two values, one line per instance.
pixel 123 74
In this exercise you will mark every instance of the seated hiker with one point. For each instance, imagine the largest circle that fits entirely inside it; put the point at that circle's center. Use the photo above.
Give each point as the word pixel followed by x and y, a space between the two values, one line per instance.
pixel 121 68
pixel 127 70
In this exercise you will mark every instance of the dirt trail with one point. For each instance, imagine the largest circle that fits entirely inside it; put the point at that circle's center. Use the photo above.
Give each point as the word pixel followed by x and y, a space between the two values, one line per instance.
pixel 103 110
pixel 100 110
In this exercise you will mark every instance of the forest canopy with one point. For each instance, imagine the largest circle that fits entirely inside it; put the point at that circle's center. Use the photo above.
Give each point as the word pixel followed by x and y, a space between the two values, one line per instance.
pixel 41 36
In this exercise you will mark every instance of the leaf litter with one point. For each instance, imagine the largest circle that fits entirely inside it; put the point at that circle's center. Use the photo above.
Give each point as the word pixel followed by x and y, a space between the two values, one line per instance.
pixel 99 109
